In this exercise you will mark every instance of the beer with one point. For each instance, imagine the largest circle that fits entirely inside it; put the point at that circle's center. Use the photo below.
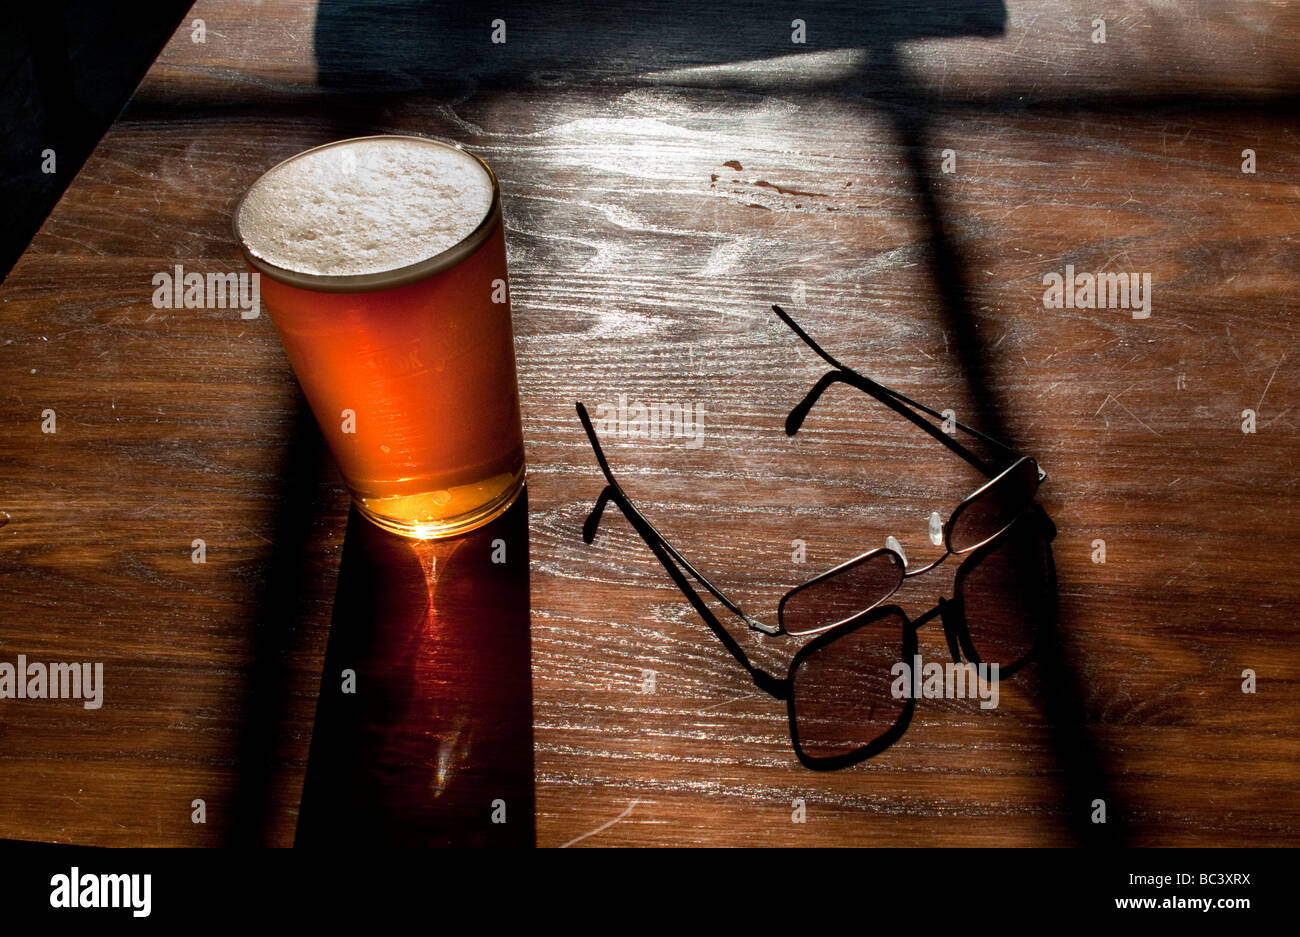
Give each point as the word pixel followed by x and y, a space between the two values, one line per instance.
pixel 384 271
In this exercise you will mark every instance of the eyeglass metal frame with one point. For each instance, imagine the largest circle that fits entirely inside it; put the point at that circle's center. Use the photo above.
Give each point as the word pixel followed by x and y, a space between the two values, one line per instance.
pixel 896 401
pixel 679 568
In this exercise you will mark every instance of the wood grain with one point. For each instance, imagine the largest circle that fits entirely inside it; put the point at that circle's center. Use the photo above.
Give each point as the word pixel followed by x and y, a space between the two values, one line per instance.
pixel 667 176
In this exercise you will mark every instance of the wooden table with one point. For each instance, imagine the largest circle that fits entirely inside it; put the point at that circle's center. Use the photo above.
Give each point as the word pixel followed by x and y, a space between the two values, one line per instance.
pixel 667 176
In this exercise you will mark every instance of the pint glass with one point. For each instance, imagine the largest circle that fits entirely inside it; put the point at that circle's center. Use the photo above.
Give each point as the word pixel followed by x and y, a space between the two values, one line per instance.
pixel 383 268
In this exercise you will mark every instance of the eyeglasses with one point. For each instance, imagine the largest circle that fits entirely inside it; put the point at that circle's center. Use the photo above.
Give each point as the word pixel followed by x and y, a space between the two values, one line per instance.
pixel 829 599
pixel 840 601
pixel 845 695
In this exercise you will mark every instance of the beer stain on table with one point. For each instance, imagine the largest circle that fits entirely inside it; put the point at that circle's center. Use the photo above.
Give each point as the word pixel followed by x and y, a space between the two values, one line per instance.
pixel 667 176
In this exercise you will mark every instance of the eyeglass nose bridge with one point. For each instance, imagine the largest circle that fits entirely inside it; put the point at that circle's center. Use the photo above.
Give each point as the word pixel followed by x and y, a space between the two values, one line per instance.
pixel 891 543
pixel 936 529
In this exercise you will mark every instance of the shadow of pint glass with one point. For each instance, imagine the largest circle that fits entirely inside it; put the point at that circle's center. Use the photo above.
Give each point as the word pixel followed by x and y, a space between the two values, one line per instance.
pixel 424 732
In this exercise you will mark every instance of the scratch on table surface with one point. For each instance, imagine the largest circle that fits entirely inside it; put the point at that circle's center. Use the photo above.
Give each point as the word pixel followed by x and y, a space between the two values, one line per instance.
pixel 1232 346
pixel 727 702
pixel 1135 416
pixel 258 536
pixel 1115 400
pixel 1115 257
pixel 1260 405
pixel 604 826
pixel 1278 417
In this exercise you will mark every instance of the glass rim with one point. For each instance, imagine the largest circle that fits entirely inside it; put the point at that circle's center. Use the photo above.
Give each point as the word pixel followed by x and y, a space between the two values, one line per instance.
pixel 853 563
pixel 383 279
pixel 982 489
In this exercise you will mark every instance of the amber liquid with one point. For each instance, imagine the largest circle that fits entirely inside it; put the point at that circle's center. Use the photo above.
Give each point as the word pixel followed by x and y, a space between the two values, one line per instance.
pixel 415 390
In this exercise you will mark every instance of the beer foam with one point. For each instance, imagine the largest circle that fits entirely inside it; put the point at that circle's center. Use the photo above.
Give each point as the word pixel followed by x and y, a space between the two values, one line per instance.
pixel 365 206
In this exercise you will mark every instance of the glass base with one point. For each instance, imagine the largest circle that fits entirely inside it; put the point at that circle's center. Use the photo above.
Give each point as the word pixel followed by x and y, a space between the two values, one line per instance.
pixel 447 526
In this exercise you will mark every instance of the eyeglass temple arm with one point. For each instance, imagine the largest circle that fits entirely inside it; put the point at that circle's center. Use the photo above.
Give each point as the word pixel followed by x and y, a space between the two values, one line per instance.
pixel 762 679
pixel 614 490
pixel 886 395
pixel 669 559
pixel 796 418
